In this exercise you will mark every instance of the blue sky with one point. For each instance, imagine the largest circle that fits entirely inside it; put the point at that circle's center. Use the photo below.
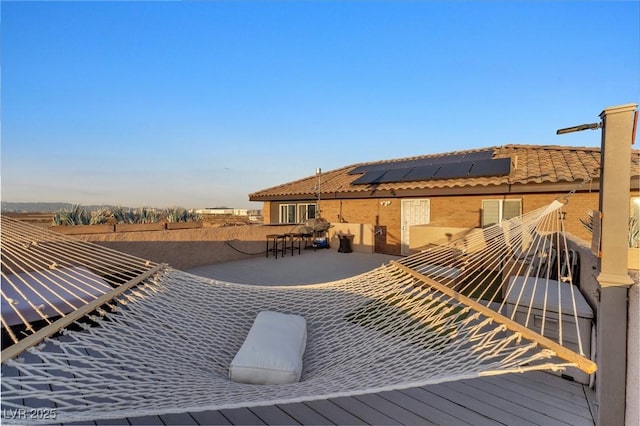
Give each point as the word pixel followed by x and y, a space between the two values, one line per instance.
pixel 198 104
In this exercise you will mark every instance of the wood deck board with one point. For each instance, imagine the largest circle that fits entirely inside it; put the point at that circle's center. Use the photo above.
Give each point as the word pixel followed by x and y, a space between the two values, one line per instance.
pixel 178 419
pixel 392 410
pixel 421 409
pixel 335 413
pixel 241 416
pixel 210 417
pixel 273 415
pixel 451 407
pixel 145 420
pixel 112 422
pixel 547 380
pixel 304 414
pixel 478 404
pixel 487 395
pixel 367 413
pixel 525 394
pixel 551 415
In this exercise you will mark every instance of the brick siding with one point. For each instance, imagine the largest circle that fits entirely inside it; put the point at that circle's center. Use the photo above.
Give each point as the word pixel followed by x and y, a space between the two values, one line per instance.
pixel 463 211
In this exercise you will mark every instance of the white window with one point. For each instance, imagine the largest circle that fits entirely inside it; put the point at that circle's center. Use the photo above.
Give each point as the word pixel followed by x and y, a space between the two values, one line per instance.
pixel 495 211
pixel 288 213
pixel 306 211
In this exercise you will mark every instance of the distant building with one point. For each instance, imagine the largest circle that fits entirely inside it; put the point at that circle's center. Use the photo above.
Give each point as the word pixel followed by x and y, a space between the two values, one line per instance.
pixel 228 211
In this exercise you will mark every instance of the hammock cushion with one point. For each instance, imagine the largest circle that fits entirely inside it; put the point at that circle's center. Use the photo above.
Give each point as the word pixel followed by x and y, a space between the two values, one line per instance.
pixel 272 352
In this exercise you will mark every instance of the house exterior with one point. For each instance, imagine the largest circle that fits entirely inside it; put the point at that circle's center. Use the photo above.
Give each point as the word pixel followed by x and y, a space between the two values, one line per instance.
pixel 462 189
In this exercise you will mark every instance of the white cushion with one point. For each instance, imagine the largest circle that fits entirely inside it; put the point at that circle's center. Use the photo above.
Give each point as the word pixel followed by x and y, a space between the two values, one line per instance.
pixel 272 352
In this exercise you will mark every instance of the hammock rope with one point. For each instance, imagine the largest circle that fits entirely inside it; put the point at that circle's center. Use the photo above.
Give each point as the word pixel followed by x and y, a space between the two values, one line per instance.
pixel 138 338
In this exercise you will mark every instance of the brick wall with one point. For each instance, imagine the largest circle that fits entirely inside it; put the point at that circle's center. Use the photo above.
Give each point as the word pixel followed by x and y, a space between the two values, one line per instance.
pixel 463 211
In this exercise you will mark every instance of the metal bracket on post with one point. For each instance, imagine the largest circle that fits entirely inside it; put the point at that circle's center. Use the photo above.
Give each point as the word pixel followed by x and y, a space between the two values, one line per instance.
pixel 581 127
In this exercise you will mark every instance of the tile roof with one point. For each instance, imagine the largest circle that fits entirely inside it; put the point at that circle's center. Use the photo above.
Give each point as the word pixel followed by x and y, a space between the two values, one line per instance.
pixel 530 164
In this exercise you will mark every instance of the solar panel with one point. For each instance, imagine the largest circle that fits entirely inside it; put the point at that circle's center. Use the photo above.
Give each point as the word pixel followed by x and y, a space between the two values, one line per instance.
pixel 421 173
pixel 473 164
pixel 369 177
pixel 427 161
pixel 479 155
pixel 404 164
pixel 495 167
pixel 453 170
pixel 395 175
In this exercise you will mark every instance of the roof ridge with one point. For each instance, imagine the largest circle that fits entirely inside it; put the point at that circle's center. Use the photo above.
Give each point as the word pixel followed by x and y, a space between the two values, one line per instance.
pixel 302 179
pixel 553 147
pixel 420 156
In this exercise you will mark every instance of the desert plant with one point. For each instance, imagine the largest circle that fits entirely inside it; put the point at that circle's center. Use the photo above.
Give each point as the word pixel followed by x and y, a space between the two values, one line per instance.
pixel 634 229
pixel 100 216
pixel 180 214
pixel 122 215
pixel 142 215
pixel 588 221
pixel 147 215
pixel 76 216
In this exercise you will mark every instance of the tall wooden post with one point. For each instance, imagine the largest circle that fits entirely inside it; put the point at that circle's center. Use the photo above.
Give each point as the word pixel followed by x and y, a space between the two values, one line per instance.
pixel 613 276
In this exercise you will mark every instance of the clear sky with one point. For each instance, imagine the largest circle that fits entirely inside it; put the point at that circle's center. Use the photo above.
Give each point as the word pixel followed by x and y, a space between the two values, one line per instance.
pixel 198 104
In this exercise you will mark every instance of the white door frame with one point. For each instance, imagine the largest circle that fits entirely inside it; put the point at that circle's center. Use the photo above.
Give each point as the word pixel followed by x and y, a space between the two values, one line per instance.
pixel 413 211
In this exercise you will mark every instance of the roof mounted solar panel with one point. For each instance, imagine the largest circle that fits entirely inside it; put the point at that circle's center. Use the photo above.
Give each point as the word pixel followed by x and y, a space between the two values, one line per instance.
pixel 425 161
pixel 495 167
pixel 453 170
pixel 395 175
pixel 390 165
pixel 479 155
pixel 369 177
pixel 421 173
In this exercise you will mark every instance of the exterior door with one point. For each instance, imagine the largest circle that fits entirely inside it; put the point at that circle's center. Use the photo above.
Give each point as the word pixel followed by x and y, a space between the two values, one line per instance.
pixel 414 212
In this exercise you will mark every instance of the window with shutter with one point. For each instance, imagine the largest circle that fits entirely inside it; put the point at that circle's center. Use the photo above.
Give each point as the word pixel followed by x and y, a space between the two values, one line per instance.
pixel 490 212
pixel 495 211
pixel 511 209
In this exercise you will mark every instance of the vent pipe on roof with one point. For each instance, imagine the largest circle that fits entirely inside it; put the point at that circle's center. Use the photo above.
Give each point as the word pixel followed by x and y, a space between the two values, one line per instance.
pixel 319 211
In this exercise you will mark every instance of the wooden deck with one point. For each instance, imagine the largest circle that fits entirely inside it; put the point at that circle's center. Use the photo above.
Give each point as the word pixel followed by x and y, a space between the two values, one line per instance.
pixel 534 398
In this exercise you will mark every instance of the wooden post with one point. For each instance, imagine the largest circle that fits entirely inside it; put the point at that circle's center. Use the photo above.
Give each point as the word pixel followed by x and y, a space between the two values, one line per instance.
pixel 613 274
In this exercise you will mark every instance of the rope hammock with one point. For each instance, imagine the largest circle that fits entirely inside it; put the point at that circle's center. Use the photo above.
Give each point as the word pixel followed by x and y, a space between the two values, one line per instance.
pixel 98 334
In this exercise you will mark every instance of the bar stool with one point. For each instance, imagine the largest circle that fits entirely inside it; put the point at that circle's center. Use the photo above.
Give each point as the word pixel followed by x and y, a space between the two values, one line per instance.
pixel 273 244
pixel 293 238
pixel 306 237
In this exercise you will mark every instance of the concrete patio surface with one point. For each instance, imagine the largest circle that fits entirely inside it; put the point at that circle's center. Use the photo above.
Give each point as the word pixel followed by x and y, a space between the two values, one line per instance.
pixel 308 267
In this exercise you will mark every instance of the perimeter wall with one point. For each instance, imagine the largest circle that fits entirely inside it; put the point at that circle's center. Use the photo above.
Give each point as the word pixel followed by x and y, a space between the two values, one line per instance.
pixel 188 248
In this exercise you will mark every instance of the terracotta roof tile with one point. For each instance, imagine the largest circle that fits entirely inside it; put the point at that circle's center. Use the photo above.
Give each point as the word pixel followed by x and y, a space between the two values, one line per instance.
pixel 529 164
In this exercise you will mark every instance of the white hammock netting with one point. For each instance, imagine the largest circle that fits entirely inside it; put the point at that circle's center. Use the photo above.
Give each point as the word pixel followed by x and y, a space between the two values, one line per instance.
pixel 165 344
